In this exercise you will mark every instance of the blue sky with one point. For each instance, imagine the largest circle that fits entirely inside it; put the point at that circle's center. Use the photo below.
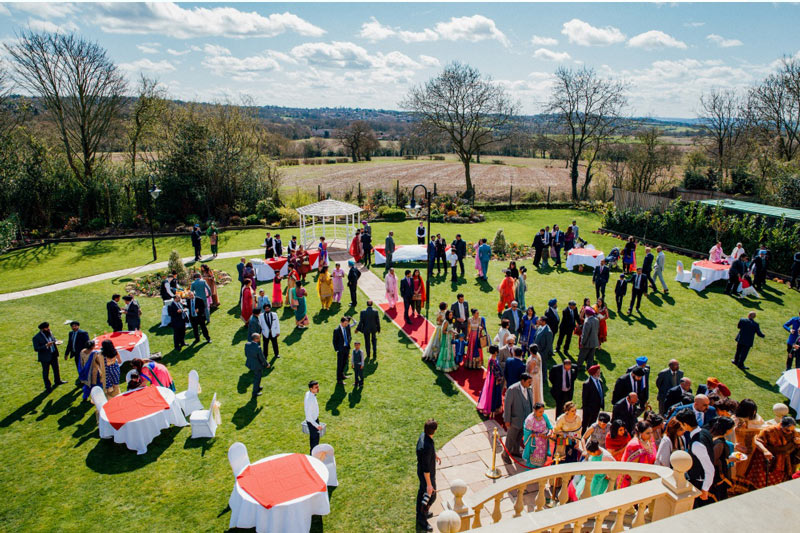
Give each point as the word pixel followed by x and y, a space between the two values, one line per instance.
pixel 368 55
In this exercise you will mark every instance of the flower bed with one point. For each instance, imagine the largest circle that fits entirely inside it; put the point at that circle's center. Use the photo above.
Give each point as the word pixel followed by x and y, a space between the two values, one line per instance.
pixel 150 284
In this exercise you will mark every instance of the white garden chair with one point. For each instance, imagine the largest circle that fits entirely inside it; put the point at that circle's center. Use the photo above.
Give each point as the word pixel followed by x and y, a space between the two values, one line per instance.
pixel 697 282
pixel 681 275
pixel 589 247
pixel 205 422
pixel 189 399
pixel 99 399
pixel 324 452
pixel 238 458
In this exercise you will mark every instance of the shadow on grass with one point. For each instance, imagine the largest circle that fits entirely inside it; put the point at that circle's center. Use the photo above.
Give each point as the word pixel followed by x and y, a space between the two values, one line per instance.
pixel 323 315
pixel 294 336
pixel 336 399
pixel 762 383
pixel 74 414
pixel 158 331
pixel 240 336
pixel 246 413
pixel 603 358
pixel 28 408
pixel 484 285
pixel 107 457
pixel 176 356
pixel 203 444
pixel 245 381
pixel 354 397
pixel 60 405
pixel 18 260
pixel 643 320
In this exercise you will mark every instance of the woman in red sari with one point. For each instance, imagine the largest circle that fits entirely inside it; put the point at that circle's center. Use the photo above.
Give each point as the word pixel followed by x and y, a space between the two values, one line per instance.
pixel 507 293
pixel 617 439
pixel 355 247
pixel 601 311
pixel 641 449
pixel 419 291
pixel 303 262
pixel 247 301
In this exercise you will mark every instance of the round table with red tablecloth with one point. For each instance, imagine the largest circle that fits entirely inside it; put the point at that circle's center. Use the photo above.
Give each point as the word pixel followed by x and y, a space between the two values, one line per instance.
pixel 129 344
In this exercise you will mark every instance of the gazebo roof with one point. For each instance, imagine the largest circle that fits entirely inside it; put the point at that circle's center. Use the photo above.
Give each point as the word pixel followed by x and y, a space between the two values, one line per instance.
pixel 329 208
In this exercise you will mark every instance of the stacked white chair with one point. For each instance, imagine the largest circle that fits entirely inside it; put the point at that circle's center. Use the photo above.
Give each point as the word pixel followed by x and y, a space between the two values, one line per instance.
pixel 697 282
pixel 99 400
pixel 324 452
pixel 189 399
pixel 238 458
pixel 681 275
pixel 203 423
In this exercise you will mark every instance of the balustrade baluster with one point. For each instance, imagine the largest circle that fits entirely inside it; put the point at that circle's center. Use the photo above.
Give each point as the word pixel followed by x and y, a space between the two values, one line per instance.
pixel 476 522
pixel 587 487
pixel 577 527
pixel 540 495
pixel 598 522
pixel 619 523
pixel 638 519
pixel 520 505
pixel 496 514
pixel 563 494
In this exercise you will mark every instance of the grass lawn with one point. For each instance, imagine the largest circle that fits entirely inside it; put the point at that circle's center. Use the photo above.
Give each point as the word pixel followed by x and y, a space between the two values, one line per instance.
pixel 53 460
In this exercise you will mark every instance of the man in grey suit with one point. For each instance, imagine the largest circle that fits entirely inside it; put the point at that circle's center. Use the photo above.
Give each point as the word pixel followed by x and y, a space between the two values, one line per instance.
pixel 666 379
pixel 369 323
pixel 255 361
pixel 589 339
pixel 388 251
pixel 514 317
pixel 544 339
pixel 519 404
pixel 461 313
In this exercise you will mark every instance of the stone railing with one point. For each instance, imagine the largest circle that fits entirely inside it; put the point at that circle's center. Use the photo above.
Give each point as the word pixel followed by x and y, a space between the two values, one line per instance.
pixel 666 493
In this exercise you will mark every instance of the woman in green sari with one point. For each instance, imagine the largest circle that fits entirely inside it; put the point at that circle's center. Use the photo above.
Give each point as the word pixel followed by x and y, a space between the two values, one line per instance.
pixel 298 294
pixel 537 429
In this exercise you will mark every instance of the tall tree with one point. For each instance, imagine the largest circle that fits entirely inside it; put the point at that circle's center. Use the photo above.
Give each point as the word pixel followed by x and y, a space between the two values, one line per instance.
pixel 358 139
pixel 775 107
pixel 469 108
pixel 80 87
pixel 147 110
pixel 587 110
pixel 723 122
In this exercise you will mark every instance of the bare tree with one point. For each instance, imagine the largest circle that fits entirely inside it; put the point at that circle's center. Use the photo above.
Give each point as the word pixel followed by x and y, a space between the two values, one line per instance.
pixel 79 85
pixel 147 110
pixel 469 108
pixel 587 110
pixel 722 119
pixel 358 139
pixel 775 108
pixel 651 160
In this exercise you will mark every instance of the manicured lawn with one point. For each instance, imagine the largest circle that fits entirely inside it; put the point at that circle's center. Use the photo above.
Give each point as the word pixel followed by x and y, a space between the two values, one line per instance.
pixel 52 460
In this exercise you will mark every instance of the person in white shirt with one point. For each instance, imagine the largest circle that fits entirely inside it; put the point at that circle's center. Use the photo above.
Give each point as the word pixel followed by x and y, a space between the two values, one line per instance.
pixel 421 232
pixel 701 443
pixel 311 408
pixel 736 253
pixel 270 329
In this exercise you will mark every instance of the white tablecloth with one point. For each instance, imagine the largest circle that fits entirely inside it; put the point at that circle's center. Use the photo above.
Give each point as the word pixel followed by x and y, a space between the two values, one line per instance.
pixel 710 275
pixel 574 258
pixel 788 386
pixel 264 272
pixel 293 516
pixel 137 434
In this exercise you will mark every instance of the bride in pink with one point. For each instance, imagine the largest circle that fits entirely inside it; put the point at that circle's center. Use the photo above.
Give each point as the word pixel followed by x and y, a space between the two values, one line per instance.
pixel 391 288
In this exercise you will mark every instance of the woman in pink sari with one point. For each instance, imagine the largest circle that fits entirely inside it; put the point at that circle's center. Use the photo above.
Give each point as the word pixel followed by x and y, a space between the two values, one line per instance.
pixel 391 288
pixel 478 259
pixel 491 399
pixel 247 301
pixel 640 449
pixel 338 282
pixel 153 373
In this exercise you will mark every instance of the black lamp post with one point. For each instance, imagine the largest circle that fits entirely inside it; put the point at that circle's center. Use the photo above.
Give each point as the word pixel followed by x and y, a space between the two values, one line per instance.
pixel 428 278
pixel 154 192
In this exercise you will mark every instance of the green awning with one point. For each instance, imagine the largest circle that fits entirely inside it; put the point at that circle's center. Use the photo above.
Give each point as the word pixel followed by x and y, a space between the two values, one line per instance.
pixel 756 209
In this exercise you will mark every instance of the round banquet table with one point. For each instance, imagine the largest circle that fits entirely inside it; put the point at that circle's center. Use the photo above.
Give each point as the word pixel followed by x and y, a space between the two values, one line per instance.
pixel 129 344
pixel 293 516
pixel 584 256
pixel 711 271
pixel 137 433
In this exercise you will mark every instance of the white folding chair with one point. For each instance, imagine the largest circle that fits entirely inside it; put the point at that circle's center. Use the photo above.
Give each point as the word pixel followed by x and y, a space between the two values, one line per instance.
pixel 203 422
pixel 697 282
pixel 189 399
pixel 324 452
pixel 99 399
pixel 238 458
pixel 681 276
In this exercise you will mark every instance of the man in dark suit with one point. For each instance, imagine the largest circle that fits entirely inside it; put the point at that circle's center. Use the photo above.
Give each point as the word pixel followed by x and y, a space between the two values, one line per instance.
pixel 77 341
pixel 514 317
pixel 558 243
pixel 620 290
pixel 240 269
pixel 197 239
pixel 551 315
pixel 388 251
pixel 667 379
pixel 460 247
pixel 44 344
pixel 627 383
pixel 431 254
pixel 197 317
pixel 704 413
pixel 748 329
pixel 518 405
pixel 592 397
pixel 461 314
pixel 600 279
pixel 166 290
pixel 407 293
pixel 277 245
pixel 441 261
pixel 514 367
pixel 177 320
pixel 366 244
pixel 342 339
pixel 627 409
pixel 562 384
pixel 644 384
pixel 114 313
pixel 255 361
pixel 269 253
pixel 352 282
pixel 735 273
pixel 638 289
pixel 133 313
pixel 647 266
pixel 569 319
pixel 538 246
pixel 678 394
pixel 543 340
pixel 369 324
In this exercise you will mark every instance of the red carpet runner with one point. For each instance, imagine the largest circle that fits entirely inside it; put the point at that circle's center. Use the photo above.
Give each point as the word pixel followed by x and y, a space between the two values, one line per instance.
pixel 420 331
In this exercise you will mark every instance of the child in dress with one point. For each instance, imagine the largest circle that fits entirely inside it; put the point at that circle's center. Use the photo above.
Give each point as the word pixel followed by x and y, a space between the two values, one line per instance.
pixel 460 347
pixel 277 293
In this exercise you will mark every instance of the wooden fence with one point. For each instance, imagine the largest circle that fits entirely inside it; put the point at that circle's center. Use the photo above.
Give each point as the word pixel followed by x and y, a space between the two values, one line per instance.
pixel 638 201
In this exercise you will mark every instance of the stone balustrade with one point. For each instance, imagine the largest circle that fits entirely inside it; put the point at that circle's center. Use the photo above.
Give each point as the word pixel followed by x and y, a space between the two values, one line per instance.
pixel 664 493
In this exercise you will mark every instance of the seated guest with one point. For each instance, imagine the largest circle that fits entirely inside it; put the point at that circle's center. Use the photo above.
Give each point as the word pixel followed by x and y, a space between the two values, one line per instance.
pixel 153 373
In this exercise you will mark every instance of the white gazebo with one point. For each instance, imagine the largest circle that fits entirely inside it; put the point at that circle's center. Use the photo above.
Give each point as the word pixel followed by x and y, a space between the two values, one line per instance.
pixel 331 219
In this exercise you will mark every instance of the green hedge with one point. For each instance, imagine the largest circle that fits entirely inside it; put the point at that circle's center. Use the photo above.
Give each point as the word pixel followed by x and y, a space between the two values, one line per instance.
pixel 391 214
pixel 694 226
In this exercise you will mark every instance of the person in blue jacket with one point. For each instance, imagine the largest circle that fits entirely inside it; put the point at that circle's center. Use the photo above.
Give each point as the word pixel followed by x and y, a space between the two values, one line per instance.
pixel 793 327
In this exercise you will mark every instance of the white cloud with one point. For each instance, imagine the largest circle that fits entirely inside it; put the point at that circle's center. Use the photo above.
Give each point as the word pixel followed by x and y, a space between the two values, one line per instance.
pixel 51 27
pixel 333 55
pixel 148 48
pixel 475 28
pixel 694 24
pixel 147 65
pixel 216 50
pixel 429 61
pixel 654 40
pixel 549 55
pixel 722 42
pixel 48 10
pixel 172 52
pixel 538 40
pixel 172 20
pixel 221 63
pixel 584 34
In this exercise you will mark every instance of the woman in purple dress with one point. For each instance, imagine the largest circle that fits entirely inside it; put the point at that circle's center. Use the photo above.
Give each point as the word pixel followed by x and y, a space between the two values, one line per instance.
pixel 491 399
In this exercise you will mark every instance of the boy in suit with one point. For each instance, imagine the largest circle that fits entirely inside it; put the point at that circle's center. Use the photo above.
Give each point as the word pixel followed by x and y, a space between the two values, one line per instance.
pixel 459 347
pixel 358 364
pixel 620 290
